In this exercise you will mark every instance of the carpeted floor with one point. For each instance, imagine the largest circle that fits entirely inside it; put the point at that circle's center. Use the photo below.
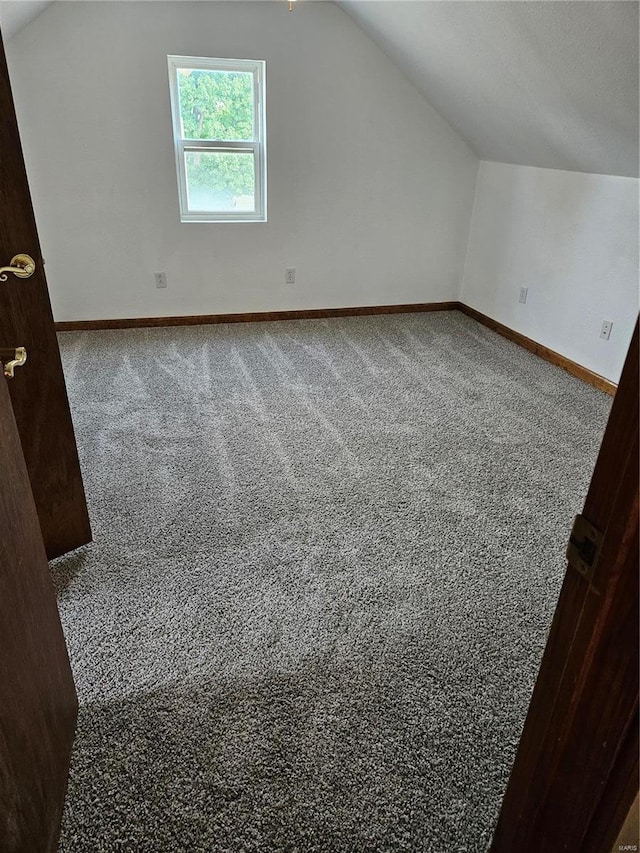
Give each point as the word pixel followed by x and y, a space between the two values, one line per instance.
pixel 326 557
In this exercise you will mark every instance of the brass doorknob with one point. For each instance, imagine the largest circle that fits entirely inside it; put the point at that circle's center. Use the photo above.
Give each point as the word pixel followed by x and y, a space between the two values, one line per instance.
pixel 17 361
pixel 22 266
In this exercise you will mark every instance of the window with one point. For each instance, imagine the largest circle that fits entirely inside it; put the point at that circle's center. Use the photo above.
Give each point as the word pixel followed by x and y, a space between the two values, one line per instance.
pixel 218 108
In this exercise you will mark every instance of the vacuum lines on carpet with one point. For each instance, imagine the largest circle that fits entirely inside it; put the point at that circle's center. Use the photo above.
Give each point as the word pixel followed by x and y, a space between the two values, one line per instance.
pixel 326 556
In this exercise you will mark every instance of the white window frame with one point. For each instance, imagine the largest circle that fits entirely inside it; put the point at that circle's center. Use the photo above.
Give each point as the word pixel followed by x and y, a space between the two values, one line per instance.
pixel 257 146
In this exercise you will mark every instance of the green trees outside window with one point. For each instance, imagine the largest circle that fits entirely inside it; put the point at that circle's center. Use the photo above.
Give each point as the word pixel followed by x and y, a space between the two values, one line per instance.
pixel 218 105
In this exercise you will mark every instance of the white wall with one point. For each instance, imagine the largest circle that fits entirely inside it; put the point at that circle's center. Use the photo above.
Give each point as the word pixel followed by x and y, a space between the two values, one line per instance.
pixel 572 239
pixel 370 191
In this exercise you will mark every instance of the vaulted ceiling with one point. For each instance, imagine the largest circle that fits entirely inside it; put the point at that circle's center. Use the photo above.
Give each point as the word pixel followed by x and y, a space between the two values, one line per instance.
pixel 15 15
pixel 538 83
pixel 534 82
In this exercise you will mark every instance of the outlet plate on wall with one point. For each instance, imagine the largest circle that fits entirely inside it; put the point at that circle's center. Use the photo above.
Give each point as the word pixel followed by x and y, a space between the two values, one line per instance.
pixel 605 329
pixel 523 295
pixel 161 279
pixel 290 275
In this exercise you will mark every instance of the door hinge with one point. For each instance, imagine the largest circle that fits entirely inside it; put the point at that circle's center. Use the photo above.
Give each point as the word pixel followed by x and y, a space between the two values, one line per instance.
pixel 584 547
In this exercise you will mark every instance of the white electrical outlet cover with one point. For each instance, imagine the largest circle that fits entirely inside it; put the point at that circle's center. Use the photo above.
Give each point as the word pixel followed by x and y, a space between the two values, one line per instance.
pixel 605 329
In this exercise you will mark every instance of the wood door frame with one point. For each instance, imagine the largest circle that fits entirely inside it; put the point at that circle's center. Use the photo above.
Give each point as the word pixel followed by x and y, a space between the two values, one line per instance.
pixel 576 771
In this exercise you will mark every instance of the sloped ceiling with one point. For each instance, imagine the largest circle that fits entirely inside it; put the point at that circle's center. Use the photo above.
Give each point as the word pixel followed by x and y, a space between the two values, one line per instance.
pixel 533 82
pixel 15 14
pixel 552 84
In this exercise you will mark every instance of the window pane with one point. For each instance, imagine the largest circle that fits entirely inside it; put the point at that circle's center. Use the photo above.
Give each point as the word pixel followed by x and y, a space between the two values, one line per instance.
pixel 216 104
pixel 220 181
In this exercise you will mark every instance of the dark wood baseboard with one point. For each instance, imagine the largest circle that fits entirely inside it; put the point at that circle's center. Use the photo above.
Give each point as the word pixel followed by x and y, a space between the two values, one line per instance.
pixel 254 317
pixel 547 354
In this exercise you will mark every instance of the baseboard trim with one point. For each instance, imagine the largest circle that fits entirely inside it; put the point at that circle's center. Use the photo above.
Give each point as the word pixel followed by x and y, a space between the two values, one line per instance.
pixel 253 317
pixel 547 354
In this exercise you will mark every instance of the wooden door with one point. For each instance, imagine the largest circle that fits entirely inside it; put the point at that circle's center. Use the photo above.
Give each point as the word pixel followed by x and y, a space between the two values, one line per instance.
pixel 38 705
pixel 576 772
pixel 38 392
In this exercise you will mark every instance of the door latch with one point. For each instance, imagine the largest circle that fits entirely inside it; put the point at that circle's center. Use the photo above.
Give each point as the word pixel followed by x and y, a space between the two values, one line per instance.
pixel 18 360
pixel 584 547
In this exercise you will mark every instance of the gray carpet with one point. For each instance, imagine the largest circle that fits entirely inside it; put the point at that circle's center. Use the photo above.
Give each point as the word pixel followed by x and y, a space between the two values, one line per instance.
pixel 326 557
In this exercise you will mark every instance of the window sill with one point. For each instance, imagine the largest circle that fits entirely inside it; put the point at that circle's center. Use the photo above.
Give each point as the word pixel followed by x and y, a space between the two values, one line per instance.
pixel 205 221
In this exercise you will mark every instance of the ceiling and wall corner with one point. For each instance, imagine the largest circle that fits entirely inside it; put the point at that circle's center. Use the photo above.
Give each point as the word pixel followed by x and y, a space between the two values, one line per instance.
pixel 16 14
pixel 537 83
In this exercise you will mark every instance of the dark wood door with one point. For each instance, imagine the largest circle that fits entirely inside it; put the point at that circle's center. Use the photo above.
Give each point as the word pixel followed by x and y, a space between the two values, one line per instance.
pixel 38 705
pixel 38 392
pixel 576 770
